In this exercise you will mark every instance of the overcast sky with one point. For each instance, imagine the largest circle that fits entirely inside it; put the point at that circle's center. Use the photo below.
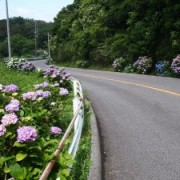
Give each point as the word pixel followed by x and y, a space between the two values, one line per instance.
pixel 33 9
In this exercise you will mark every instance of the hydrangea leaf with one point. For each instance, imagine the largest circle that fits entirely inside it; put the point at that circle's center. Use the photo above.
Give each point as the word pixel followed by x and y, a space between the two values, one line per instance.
pixel 20 156
pixel 17 171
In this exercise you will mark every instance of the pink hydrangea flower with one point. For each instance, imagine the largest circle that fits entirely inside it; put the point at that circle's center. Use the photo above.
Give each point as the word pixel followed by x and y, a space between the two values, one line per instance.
pixel 55 130
pixel 46 94
pixel 42 85
pixel 13 106
pixel 10 88
pixel 39 92
pixel 26 134
pixel 29 96
pixel 63 92
pixel 15 101
pixel 9 119
pixel 2 130
pixel 10 108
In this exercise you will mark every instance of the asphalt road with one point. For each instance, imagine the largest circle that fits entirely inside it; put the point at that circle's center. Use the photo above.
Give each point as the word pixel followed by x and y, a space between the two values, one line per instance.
pixel 139 122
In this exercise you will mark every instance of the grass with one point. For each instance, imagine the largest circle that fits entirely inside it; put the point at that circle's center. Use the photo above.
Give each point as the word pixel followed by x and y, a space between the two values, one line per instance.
pixel 23 81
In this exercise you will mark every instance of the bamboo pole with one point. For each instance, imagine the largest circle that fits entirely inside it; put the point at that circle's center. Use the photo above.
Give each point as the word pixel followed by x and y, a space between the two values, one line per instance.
pixel 50 165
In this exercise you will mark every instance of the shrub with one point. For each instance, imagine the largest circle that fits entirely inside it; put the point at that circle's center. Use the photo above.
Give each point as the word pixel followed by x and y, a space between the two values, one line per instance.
pixel 14 62
pixel 143 65
pixel 128 69
pixel 119 64
pixel 162 68
pixel 82 64
pixel 175 66
pixel 27 67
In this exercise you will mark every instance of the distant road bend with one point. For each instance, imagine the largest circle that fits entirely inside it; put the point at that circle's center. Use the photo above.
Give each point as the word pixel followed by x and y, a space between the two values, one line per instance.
pixel 139 122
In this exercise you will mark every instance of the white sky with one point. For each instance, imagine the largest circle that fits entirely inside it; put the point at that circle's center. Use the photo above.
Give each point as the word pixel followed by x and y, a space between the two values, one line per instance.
pixel 33 9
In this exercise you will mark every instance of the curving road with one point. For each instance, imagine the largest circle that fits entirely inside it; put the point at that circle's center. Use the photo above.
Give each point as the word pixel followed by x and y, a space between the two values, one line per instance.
pixel 139 122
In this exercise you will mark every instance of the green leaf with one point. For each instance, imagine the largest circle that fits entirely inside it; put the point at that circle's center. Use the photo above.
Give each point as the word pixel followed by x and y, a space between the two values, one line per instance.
pixel 17 144
pixel 17 171
pixel 6 170
pixel 8 134
pixel 33 155
pixel 51 142
pixel 36 148
pixel 36 171
pixel 65 172
pixel 20 156
pixel 69 162
pixel 21 113
pixel 62 177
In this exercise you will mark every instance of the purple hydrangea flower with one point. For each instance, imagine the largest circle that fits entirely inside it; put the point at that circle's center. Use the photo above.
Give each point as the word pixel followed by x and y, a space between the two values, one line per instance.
pixel 51 71
pixel 9 119
pixel 175 66
pixel 15 101
pixel 29 96
pixel 2 130
pixel 26 134
pixel 13 106
pixel 46 94
pixel 45 84
pixel 39 92
pixel 55 130
pixel 10 88
pixel 27 66
pixel 42 85
pixel 63 92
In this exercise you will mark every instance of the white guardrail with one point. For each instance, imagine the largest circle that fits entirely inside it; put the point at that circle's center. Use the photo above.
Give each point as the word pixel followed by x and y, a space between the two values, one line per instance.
pixel 78 125
pixel 77 122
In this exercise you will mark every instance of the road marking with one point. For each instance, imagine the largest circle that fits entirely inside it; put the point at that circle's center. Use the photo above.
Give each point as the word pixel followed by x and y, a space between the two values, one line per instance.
pixel 131 83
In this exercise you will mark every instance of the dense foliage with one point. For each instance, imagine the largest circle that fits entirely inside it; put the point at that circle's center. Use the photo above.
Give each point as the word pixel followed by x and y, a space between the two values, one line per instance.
pixel 98 32
pixel 22 36
pixel 31 124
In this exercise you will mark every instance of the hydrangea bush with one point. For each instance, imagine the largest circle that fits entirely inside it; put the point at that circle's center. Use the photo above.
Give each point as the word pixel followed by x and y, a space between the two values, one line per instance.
pixel 14 62
pixel 119 64
pixel 143 65
pixel 162 67
pixel 175 66
pixel 27 67
pixel 20 64
pixel 31 124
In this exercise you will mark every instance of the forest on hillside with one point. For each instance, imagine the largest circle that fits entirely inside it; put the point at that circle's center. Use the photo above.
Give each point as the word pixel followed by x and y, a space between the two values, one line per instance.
pixel 23 36
pixel 99 31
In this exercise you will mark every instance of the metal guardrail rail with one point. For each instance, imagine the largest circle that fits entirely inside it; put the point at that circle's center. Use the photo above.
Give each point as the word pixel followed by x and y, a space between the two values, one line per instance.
pixel 77 101
pixel 76 122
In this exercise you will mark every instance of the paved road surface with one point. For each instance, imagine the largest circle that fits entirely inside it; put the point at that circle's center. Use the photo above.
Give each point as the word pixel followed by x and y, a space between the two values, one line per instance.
pixel 139 121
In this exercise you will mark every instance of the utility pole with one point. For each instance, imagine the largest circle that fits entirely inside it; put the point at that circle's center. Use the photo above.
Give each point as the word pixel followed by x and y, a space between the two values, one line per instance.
pixel 49 48
pixel 8 30
pixel 36 35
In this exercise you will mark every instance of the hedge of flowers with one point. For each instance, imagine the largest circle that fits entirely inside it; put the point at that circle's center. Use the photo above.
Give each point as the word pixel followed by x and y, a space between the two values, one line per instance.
pixel 143 64
pixel 119 64
pixel 19 64
pixel 175 66
pixel 31 124
pixel 162 67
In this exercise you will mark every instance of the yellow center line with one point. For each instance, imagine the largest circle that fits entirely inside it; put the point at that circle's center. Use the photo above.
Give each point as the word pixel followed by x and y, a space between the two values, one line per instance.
pixel 131 83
